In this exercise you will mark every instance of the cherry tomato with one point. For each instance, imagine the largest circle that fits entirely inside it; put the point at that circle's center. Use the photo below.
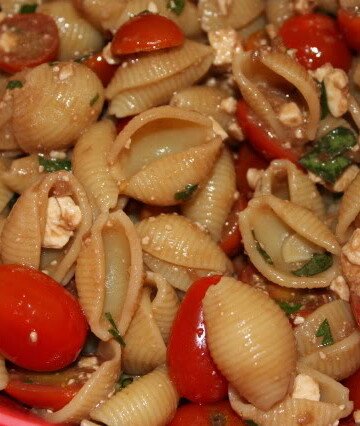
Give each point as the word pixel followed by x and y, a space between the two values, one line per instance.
pixel 101 68
pixel 28 40
pixel 42 327
pixel 317 40
pixel 347 422
pixel 220 413
pixel 191 367
pixel 145 33
pixel 355 307
pixel 349 24
pixel 122 122
pixel 353 384
pixel 260 139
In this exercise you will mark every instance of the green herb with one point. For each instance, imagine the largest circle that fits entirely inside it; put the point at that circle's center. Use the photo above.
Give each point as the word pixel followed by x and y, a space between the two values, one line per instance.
pixel 28 8
pixel 326 159
pixel 176 6
pixel 13 200
pixel 186 193
pixel 323 101
pixel 250 423
pixel 289 308
pixel 124 380
pixel 324 331
pixel 262 252
pixel 319 262
pixel 113 330
pixel 14 84
pixel 53 164
pixel 94 99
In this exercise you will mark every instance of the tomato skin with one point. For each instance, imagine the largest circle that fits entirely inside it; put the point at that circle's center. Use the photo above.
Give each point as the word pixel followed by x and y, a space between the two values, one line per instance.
pixel 355 307
pixel 36 40
pixel 262 141
pixel 353 384
pixel 191 367
pixel 146 33
pixel 349 24
pixel 206 415
pixel 317 40
pixel 101 68
pixel 33 303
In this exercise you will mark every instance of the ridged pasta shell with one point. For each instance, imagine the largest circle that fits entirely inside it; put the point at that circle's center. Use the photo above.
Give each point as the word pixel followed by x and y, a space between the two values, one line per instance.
pixel 4 376
pixel 89 161
pixel 177 240
pixel 250 340
pixel 22 236
pixel 278 11
pixel 151 400
pixel 211 205
pixel 109 273
pixel 272 221
pixel 77 36
pixel 63 94
pixel 22 173
pixel 96 389
pixel 151 80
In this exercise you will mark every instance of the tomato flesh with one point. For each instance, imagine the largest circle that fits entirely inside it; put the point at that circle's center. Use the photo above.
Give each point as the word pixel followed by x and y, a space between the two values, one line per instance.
pixel 146 33
pixel 101 68
pixel 27 40
pixel 191 367
pixel 349 24
pixel 42 327
pixel 317 40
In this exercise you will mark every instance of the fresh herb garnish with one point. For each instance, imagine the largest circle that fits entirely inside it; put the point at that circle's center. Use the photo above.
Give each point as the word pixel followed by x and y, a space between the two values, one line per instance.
pixel 319 262
pixel 262 252
pixel 14 84
pixel 250 423
pixel 124 380
pixel 323 101
pixel 324 331
pixel 186 193
pixel 113 330
pixel 176 6
pixel 94 99
pixel 53 164
pixel 28 8
pixel 326 159
pixel 12 200
pixel 289 308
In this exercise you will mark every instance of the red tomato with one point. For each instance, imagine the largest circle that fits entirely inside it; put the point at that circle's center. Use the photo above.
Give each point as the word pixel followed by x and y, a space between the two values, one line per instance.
pixel 260 139
pixel 317 40
pixel 101 68
pixel 31 39
pixel 355 307
pixel 42 327
pixel 353 383
pixel 347 422
pixel 122 122
pixel 145 33
pixel 349 24
pixel 220 413
pixel 191 367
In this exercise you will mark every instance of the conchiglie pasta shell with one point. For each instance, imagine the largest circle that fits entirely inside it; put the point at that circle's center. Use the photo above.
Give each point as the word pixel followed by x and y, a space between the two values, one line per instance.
pixel 250 340
pixel 4 376
pixel 77 36
pixel 99 385
pixel 177 240
pixel 109 273
pixel 22 173
pixel 60 94
pixel 145 348
pixel 211 205
pixel 7 139
pixel 278 11
pixel 90 165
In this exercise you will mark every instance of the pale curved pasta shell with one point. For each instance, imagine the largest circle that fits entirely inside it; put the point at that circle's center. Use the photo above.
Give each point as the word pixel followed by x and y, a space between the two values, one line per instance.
pixel 151 400
pixel 48 97
pixel 250 340
pixel 96 389
pixel 22 173
pixel 7 139
pixel 109 273
pixel 278 11
pixel 4 376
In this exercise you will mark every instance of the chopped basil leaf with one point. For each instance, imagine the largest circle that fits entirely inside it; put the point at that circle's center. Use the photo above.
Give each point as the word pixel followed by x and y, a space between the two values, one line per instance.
pixel 13 200
pixel 113 330
pixel 53 164
pixel 323 101
pixel 94 99
pixel 14 84
pixel 326 159
pixel 124 380
pixel 250 423
pixel 289 308
pixel 176 6
pixel 319 262
pixel 263 253
pixel 186 193
pixel 324 331
pixel 28 8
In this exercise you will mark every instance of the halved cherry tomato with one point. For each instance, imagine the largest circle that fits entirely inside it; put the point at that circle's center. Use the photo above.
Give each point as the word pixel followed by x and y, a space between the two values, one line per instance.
pixel 349 23
pixel 191 367
pixel 317 40
pixel 145 33
pixel 122 122
pixel 28 40
pixel 220 413
pixel 101 68
pixel 260 139
pixel 42 327
pixel 347 422
pixel 353 384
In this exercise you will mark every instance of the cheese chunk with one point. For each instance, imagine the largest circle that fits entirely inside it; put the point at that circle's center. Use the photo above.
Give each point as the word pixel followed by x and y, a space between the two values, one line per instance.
pixel 305 387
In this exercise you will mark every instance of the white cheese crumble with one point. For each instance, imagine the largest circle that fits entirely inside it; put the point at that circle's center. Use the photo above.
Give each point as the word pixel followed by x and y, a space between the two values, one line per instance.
pixel 290 114
pixel 339 286
pixel 88 362
pixel 33 336
pixel 253 176
pixel 151 7
pixel 59 155
pixel 235 131
pixel 66 71
pixel 228 105
pixel 108 56
pixel 223 42
pixel 305 387
pixel 298 320
pixel 7 42
pixel 352 248
pixel 304 6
